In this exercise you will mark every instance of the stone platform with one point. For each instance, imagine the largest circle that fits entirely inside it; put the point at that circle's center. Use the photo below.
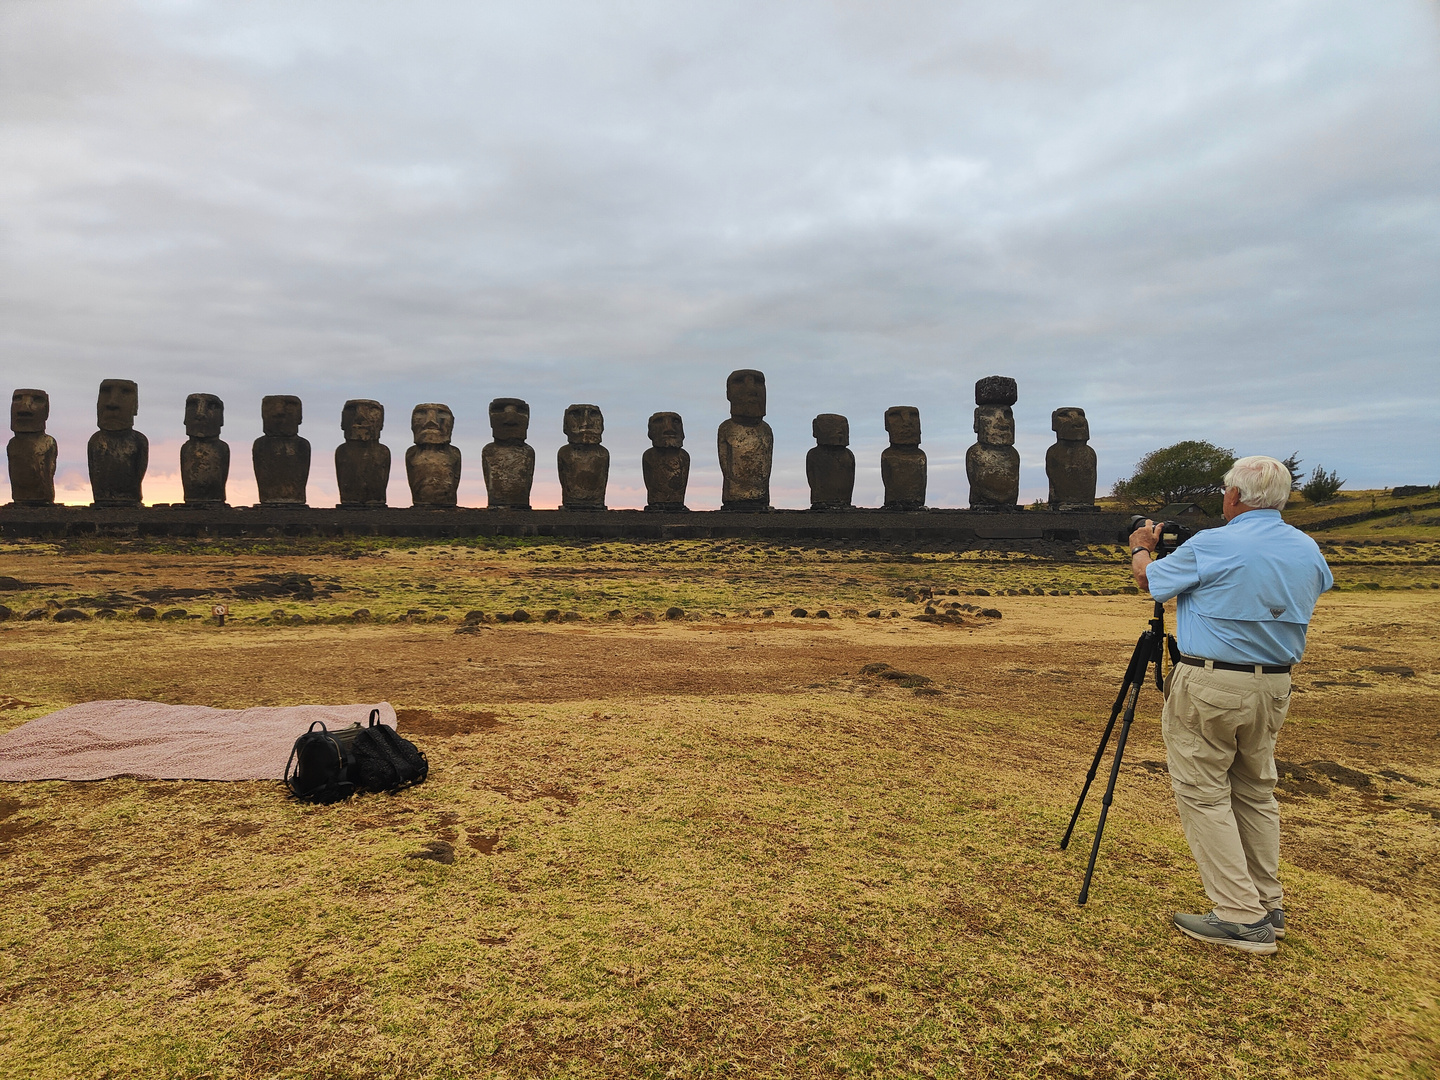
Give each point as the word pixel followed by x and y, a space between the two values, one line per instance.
pixel 964 528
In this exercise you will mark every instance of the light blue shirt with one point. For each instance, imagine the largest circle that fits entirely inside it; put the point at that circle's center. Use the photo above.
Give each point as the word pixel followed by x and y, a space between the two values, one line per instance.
pixel 1246 591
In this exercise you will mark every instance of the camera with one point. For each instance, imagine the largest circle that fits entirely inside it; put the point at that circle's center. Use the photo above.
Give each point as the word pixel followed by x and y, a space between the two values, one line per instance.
pixel 1172 534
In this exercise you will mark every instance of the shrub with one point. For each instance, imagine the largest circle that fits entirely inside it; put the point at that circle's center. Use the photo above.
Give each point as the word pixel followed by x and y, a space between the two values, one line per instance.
pixel 1190 471
pixel 1322 486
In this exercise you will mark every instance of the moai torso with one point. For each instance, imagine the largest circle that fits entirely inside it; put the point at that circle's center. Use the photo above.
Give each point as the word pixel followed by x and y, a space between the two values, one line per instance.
pixel 993 463
pixel 508 463
pixel 746 444
pixel 280 456
pixel 117 454
pixel 904 469
pixel 830 464
pixel 362 462
pixel 432 465
pixel 1070 464
pixel 204 459
pixel 666 465
pixel 31 452
pixel 584 464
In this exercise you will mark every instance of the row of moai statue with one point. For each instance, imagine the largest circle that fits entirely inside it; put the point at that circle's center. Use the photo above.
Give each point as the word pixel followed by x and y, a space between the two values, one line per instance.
pixel 119 455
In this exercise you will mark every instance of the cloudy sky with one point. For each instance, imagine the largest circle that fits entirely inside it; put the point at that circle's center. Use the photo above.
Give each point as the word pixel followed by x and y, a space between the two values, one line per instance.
pixel 1214 220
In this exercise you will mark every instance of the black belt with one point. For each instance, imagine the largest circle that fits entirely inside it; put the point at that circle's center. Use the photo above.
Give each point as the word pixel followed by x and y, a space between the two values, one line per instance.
pixel 1225 665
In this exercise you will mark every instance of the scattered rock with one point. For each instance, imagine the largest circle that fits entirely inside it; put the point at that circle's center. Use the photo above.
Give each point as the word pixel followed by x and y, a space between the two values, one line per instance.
pixel 768 613
pixel 361 615
pixel 981 592
pixel 798 613
pixel 71 614
pixel 297 620
pixel 10 584
pixel 989 613
pixel 873 613
pixel 36 614
pixel 520 615
pixel 550 615
pixel 822 614
pixel 614 615
pixel 146 613
pixel 472 617
pixel 503 617
pixel 674 613
pixel 644 616
pixel 570 616
pixel 5 613
pixel 442 617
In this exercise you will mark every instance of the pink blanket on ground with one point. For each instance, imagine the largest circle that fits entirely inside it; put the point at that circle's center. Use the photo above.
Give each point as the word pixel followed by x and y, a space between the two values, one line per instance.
pixel 150 741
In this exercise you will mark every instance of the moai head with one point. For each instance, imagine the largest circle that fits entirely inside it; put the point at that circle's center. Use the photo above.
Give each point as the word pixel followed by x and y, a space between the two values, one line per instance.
pixel 667 430
pixel 29 410
pixel 996 390
pixel 745 390
pixel 204 416
pixel 432 424
pixel 903 424
pixel 1070 424
pixel 584 425
pixel 831 429
pixel 995 425
pixel 509 419
pixel 362 420
pixel 281 414
pixel 117 405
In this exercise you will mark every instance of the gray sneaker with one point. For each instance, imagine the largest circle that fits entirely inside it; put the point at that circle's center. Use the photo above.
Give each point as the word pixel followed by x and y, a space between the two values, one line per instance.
pixel 1276 918
pixel 1256 937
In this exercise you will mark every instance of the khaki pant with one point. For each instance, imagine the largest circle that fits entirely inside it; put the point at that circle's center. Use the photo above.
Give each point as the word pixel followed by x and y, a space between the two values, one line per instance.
pixel 1220 729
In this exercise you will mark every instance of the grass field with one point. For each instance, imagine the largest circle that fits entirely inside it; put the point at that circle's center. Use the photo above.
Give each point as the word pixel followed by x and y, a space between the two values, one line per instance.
pixel 704 844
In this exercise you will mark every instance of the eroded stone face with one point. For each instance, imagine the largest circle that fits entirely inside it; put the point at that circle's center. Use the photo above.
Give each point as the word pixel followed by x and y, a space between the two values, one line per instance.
pixel 509 419
pixel 666 430
pixel 29 411
pixel 831 429
pixel 745 390
pixel 204 459
pixel 117 404
pixel 31 453
pixel 1070 464
pixel 902 424
pixel 362 420
pixel 362 462
pixel 995 425
pixel 432 424
pixel 993 463
pixel 281 414
pixel 584 425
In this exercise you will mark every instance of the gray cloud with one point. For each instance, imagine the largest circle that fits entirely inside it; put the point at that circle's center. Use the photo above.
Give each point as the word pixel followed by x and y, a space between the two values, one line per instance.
pixel 1209 220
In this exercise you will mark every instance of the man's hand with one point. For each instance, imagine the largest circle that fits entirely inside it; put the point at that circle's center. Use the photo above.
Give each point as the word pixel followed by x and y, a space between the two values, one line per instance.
pixel 1147 536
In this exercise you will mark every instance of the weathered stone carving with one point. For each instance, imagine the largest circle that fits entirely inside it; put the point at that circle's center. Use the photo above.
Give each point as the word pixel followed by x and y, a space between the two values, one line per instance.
pixel 204 458
pixel 993 463
pixel 280 456
pixel 362 462
pixel 746 444
pixel 432 465
pixel 903 466
pixel 508 463
pixel 32 453
pixel 118 455
pixel 666 464
pixel 830 464
pixel 1070 463
pixel 583 463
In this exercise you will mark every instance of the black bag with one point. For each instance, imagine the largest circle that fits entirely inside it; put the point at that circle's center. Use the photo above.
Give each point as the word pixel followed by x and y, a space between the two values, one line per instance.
pixel 328 766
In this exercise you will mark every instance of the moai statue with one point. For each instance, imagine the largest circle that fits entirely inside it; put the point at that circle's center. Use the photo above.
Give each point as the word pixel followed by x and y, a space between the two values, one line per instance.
pixel 746 444
pixel 32 453
pixel 281 457
pixel 204 459
pixel 666 464
pixel 584 464
pixel 118 454
pixel 993 463
pixel 362 462
pixel 903 467
pixel 830 465
pixel 1070 463
pixel 432 465
pixel 508 463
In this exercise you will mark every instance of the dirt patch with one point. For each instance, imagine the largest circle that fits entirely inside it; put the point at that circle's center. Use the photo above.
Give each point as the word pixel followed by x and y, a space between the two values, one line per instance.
pixel 446 722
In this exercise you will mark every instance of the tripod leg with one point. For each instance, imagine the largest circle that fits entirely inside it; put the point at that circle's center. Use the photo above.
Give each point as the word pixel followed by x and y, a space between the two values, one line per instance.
pixel 1132 679
pixel 1110 787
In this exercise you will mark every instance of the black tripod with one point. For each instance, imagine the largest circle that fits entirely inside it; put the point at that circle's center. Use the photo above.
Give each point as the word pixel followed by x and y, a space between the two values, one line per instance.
pixel 1148 650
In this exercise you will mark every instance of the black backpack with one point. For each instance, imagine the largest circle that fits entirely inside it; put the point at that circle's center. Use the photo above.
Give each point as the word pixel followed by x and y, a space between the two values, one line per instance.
pixel 328 766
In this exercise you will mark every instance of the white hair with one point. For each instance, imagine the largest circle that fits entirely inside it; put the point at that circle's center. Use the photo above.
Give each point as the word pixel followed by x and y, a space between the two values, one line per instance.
pixel 1263 482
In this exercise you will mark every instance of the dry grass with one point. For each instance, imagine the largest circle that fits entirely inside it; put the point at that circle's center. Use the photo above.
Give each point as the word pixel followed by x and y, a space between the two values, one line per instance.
pixel 703 846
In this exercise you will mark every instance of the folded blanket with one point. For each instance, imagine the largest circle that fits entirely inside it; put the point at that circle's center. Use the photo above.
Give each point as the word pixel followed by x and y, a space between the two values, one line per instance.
pixel 151 741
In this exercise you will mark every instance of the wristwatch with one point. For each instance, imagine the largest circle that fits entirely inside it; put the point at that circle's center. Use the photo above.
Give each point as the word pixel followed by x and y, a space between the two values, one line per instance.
pixel 1136 551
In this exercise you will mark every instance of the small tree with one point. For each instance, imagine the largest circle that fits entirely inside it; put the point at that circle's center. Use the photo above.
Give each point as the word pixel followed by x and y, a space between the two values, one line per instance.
pixel 1297 474
pixel 1190 471
pixel 1322 486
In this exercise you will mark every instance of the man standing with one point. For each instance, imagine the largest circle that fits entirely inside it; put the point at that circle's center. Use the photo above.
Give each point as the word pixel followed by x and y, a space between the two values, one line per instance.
pixel 1246 594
